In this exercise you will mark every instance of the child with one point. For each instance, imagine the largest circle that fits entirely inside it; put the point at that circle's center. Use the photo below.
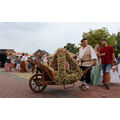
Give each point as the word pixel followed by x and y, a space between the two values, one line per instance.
pixel 12 63
pixel 114 74
pixel 17 63
pixel 29 65
pixel 33 59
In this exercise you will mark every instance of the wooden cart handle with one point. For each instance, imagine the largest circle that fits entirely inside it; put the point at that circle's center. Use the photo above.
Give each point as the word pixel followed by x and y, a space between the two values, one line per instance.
pixel 88 69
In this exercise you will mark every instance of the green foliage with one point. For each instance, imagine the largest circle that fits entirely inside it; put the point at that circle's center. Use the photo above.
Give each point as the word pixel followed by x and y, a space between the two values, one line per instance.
pixel 95 36
pixel 118 41
pixel 117 44
pixel 71 48
pixel 112 40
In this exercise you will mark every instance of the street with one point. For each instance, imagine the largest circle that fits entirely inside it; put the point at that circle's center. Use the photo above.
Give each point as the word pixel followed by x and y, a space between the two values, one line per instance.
pixel 14 86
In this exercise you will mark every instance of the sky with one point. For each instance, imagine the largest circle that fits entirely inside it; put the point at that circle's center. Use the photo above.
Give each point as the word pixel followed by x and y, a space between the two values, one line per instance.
pixel 31 36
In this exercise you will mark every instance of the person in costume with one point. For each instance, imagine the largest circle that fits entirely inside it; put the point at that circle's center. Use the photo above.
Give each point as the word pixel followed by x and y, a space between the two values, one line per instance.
pixel 96 71
pixel 114 79
pixel 33 59
pixel 22 65
pixel 7 66
pixel 107 57
pixel 17 63
pixel 87 57
pixel 45 59
pixel 12 65
pixel 118 61
pixel 26 61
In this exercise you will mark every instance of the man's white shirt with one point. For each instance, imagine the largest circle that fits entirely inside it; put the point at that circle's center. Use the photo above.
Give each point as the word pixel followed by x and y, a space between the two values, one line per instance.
pixel 82 51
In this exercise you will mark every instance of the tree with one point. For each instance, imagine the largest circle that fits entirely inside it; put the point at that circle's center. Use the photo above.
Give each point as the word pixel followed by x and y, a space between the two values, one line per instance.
pixel 95 36
pixel 72 48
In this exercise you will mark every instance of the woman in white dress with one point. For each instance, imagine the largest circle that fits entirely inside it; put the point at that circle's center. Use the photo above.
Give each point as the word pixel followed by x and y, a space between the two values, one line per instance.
pixel 118 61
pixel 114 74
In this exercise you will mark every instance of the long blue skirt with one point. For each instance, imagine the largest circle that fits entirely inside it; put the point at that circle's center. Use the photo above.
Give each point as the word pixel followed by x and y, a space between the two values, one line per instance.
pixel 95 75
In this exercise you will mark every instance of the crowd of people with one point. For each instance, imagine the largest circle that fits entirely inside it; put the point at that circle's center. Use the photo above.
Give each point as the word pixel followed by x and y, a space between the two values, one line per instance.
pixel 106 68
pixel 23 63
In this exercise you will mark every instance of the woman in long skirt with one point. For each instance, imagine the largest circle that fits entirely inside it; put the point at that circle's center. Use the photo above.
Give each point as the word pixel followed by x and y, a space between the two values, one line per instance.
pixel 7 66
pixel 96 71
pixel 23 65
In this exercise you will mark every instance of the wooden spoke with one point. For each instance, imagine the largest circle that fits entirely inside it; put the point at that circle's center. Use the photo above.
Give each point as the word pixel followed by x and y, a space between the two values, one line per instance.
pixel 35 87
pixel 34 83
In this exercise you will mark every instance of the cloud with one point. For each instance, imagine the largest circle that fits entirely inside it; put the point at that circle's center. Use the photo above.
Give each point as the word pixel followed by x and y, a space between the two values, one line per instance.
pixel 30 36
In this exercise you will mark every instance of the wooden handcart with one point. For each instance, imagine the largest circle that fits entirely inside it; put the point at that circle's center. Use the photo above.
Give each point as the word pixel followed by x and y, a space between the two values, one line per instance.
pixel 39 81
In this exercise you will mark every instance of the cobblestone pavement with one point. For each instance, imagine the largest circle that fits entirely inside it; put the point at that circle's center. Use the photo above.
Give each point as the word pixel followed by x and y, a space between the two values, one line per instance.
pixel 15 85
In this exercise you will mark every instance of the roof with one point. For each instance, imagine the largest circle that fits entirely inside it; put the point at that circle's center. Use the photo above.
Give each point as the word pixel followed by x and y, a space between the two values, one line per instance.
pixel 18 53
pixel 4 50
pixel 42 52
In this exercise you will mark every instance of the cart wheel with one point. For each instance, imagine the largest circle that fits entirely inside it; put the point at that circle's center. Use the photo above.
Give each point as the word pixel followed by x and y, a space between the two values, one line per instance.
pixel 35 85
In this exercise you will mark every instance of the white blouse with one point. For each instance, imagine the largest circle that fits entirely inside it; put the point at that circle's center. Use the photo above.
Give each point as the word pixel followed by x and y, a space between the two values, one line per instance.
pixel 23 58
